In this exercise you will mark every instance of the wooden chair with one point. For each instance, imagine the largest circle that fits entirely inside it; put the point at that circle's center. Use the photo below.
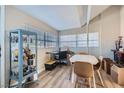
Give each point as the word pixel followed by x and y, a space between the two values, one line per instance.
pixel 98 67
pixel 84 70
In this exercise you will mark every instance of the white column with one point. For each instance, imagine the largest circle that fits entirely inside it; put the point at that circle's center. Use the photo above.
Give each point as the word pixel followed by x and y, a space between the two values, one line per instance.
pixel 88 14
pixel 3 48
pixel 87 24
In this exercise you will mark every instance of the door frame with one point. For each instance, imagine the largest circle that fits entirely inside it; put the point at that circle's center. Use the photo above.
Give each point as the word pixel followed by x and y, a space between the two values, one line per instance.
pixel 3 46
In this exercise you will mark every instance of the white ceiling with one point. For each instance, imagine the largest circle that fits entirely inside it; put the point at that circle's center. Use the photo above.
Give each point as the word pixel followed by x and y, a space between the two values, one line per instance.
pixel 97 9
pixel 59 17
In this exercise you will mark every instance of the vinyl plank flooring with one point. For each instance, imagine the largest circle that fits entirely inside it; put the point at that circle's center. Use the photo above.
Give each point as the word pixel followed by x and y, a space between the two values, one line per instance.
pixel 59 78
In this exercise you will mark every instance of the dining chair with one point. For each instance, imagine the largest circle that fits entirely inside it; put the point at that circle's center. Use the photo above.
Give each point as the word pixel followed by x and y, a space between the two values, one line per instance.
pixel 98 67
pixel 84 70
pixel 72 64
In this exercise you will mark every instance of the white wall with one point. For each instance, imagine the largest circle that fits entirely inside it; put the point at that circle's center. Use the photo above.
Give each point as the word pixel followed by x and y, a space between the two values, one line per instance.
pixel 110 23
pixel 17 19
pixel 122 21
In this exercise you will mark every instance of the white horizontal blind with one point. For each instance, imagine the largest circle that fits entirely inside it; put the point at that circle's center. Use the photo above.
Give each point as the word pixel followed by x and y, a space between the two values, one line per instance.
pixel 82 40
pixel 94 39
pixel 40 37
pixel 68 41
pixel 51 40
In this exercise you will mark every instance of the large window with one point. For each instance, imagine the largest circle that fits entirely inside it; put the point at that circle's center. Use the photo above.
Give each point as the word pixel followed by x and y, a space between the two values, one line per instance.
pixel 80 40
pixel 51 40
pixel 40 39
pixel 94 39
pixel 68 41
pixel 46 40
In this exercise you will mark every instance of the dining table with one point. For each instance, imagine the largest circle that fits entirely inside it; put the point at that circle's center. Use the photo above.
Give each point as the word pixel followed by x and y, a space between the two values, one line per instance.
pixel 82 58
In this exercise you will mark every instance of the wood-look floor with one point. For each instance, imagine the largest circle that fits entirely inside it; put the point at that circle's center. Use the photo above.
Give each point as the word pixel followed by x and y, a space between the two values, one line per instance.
pixel 59 78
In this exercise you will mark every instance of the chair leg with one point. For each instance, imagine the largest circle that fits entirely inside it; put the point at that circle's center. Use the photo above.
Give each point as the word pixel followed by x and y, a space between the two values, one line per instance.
pixel 89 81
pixel 76 81
pixel 70 76
pixel 94 82
pixel 101 80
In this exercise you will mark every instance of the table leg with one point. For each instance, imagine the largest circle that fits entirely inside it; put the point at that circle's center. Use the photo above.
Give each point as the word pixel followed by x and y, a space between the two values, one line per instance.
pixel 70 76
pixel 101 80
